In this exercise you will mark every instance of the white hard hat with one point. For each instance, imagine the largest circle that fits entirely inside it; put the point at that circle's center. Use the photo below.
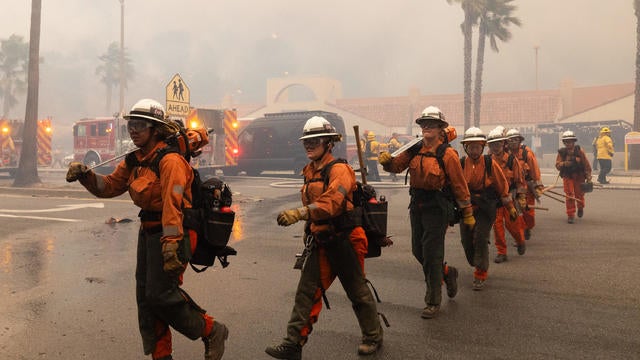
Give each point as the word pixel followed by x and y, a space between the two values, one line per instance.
pixel 318 126
pixel 473 134
pixel 569 135
pixel 432 113
pixel 496 135
pixel 147 109
pixel 514 133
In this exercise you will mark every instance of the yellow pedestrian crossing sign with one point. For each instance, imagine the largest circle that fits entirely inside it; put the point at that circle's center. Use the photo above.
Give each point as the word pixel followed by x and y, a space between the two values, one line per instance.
pixel 178 97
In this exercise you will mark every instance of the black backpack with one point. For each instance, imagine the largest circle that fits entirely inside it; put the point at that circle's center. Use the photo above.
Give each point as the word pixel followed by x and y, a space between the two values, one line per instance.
pixel 371 213
pixel 210 215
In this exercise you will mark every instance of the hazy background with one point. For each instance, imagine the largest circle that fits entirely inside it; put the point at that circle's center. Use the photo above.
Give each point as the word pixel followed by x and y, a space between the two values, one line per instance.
pixel 375 47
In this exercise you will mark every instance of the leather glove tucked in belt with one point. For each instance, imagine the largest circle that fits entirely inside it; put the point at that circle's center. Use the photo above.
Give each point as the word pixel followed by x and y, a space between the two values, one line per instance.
pixel 513 213
pixel 292 216
pixel 172 264
pixel 522 201
pixel 539 190
pixel 384 158
pixel 77 170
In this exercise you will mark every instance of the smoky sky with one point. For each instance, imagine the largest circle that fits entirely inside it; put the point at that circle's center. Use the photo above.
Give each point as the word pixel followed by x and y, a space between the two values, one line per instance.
pixel 375 48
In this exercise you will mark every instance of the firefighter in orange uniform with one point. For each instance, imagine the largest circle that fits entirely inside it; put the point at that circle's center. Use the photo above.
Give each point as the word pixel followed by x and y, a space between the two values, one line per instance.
pixel 529 165
pixel 517 188
pixel 488 187
pixel 429 207
pixel 574 170
pixel 335 245
pixel 163 244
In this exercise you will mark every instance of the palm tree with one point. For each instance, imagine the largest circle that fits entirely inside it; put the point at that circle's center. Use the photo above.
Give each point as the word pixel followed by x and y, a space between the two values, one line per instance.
pixel 472 10
pixel 27 173
pixel 495 19
pixel 14 53
pixel 634 156
pixel 109 70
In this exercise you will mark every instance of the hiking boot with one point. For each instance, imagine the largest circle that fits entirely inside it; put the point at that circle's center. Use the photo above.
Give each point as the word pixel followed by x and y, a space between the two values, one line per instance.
pixel 527 234
pixel 522 248
pixel 478 284
pixel 500 258
pixel 451 280
pixel 570 220
pixel 580 212
pixel 430 311
pixel 214 343
pixel 168 357
pixel 285 351
pixel 369 347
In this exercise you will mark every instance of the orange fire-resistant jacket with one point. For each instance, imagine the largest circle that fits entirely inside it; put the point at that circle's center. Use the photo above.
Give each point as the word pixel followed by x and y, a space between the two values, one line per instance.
pixel 514 176
pixel 327 203
pixel 167 194
pixel 475 173
pixel 530 167
pixel 425 172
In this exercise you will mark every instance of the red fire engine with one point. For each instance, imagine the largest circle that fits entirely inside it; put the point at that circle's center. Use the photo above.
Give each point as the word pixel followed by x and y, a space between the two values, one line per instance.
pixel 99 139
pixel 11 143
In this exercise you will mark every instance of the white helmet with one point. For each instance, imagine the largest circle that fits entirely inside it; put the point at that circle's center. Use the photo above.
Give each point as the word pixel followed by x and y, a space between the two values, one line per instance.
pixel 473 134
pixel 496 135
pixel 147 109
pixel 569 135
pixel 318 126
pixel 514 133
pixel 432 113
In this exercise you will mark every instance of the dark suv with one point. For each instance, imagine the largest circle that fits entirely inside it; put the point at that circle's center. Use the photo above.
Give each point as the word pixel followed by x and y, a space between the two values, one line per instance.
pixel 271 143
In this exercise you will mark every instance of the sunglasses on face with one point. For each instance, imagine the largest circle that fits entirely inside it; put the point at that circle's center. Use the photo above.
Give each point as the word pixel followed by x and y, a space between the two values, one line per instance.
pixel 429 125
pixel 312 142
pixel 138 125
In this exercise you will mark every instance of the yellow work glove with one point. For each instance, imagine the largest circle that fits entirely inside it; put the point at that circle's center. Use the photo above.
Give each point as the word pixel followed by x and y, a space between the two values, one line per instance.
pixel 539 189
pixel 469 221
pixel 171 263
pixel 77 170
pixel 292 216
pixel 522 201
pixel 384 158
pixel 513 213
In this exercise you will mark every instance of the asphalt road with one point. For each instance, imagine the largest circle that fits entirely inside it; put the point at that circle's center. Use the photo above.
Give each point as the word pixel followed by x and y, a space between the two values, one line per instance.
pixel 68 288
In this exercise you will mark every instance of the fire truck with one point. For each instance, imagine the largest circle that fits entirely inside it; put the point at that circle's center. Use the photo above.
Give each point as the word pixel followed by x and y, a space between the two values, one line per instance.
pixel 11 143
pixel 99 139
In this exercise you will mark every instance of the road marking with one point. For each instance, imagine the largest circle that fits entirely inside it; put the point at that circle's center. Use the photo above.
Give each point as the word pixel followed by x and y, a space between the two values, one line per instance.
pixel 67 207
pixel 38 218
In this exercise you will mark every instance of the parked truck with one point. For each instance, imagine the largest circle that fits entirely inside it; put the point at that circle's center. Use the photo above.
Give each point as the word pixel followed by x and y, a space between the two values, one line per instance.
pixel 11 140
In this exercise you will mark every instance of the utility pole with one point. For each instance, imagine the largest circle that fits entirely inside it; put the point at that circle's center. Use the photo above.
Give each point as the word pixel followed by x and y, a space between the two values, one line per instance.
pixel 535 49
pixel 121 58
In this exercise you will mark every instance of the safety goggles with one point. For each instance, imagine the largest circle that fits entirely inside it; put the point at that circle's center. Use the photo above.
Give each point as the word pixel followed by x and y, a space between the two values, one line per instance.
pixel 514 140
pixel 137 125
pixel 312 142
pixel 429 125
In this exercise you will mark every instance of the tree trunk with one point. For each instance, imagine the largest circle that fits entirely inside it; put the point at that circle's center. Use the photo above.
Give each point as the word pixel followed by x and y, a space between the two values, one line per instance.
pixel 468 32
pixel 634 156
pixel 6 106
pixel 27 173
pixel 477 92
pixel 109 96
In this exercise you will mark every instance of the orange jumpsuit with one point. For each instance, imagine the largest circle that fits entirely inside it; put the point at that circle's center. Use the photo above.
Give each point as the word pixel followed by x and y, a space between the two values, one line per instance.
pixel 161 302
pixel 517 185
pixel 532 176
pixel 574 169
pixel 341 256
pixel 485 191
pixel 427 209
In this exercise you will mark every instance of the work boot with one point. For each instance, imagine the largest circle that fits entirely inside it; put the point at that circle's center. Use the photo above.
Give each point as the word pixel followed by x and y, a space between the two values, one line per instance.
pixel 500 258
pixel 369 347
pixel 478 284
pixel 580 212
pixel 522 248
pixel 214 343
pixel 570 220
pixel 430 311
pixel 168 357
pixel 527 234
pixel 285 351
pixel 451 280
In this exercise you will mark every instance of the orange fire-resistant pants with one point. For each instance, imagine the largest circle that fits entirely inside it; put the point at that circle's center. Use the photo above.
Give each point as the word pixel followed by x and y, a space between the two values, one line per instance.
pixel 572 188
pixel 161 301
pixel 515 228
pixel 529 215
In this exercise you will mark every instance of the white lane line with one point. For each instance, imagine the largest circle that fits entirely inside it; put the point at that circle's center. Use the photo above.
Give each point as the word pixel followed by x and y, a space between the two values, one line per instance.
pixel 38 218
pixel 59 208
